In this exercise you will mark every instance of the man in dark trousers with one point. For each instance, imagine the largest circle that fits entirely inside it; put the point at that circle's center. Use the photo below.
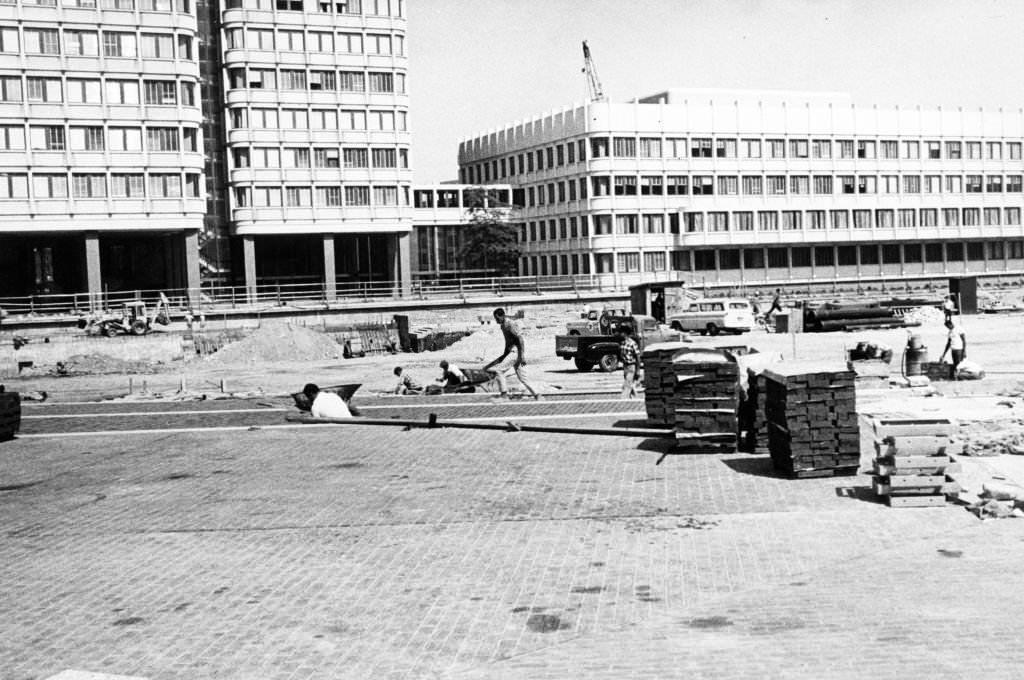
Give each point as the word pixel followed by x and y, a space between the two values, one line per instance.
pixel 506 364
pixel 629 356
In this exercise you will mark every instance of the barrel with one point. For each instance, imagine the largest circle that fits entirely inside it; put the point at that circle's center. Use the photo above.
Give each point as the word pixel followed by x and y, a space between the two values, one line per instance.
pixel 916 356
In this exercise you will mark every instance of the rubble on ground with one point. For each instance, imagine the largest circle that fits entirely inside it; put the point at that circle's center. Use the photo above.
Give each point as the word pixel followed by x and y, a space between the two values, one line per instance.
pixel 924 316
pixel 279 342
pixel 993 438
pixel 97 364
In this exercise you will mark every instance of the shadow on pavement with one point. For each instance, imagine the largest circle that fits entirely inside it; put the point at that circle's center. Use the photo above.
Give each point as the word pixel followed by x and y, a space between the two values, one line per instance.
pixel 860 493
pixel 759 466
pixel 638 423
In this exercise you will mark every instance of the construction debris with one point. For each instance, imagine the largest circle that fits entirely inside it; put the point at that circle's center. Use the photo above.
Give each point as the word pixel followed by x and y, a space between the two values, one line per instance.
pixel 811 413
pixel 280 342
pixel 913 463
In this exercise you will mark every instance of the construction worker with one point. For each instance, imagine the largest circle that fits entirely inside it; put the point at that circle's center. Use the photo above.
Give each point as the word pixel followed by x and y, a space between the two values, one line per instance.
pixel 956 345
pixel 513 341
pixel 325 404
pixel 406 384
pixel 629 356
pixel 451 375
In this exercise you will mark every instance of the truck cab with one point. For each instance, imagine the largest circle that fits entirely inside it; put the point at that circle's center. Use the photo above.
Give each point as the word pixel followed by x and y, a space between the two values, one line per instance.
pixel 602 349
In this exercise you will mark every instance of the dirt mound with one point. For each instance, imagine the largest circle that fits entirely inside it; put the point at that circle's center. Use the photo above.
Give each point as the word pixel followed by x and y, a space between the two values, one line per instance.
pixel 279 342
pixel 98 364
pixel 487 343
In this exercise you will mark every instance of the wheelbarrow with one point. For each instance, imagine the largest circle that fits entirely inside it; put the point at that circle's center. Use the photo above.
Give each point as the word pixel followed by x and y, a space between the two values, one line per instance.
pixel 475 378
pixel 343 391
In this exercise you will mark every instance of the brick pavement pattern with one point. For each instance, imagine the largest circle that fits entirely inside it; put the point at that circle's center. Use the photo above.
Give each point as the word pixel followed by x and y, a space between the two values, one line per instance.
pixel 360 552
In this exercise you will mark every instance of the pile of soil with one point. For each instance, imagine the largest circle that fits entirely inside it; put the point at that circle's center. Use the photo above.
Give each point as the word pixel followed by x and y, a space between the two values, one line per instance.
pixel 279 342
pixel 488 342
pixel 98 364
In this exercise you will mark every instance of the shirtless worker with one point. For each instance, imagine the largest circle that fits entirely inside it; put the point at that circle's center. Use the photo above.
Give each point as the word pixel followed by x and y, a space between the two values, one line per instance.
pixel 513 341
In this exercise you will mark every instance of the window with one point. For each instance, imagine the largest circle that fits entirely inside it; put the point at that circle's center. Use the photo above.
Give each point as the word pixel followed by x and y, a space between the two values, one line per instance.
pixel 823 184
pixel 118 4
pixel 934 252
pixel 933 184
pixel 190 138
pixel 996 250
pixel 9 40
pixel 953 150
pixel 386 196
pixel 816 219
pixel 650 147
pixel 356 158
pixel 703 185
pixel 884 219
pixel 700 147
pixel 865 149
pixel 995 150
pixel 840 219
pixel 911 149
pixel 293 79
pixel 869 254
pixel 891 253
pixel 290 41
pixel 625 185
pixel 12 138
pixel 728 185
pixel 973 184
pixel 288 5
pixel 821 148
pixel 47 137
pixel 954 184
pixel 800 257
pixel 753 258
pixel 192 185
pixel 725 148
pixel 752 185
pixel 165 186
pixel 43 90
pixel 846 256
pixel 155 5
pixel 328 196
pixel 351 81
pixel 162 139
pixel 1013 150
pixel 385 158
pixel 743 221
pixel 799 184
pixel 87 138
pixel 323 80
pixel 890 184
pixel 381 82
pixel 908 218
pixel 751 148
pixel 867 184
pixel 767 220
pixel 994 184
pixel 157 46
pixel 890 149
pixel 296 157
pixel 89 186
pixel 929 217
pixel 846 148
pixel 1012 216
pixel 378 44
pixel 326 158
pixel 321 42
pixel 974 151
pixel 652 185
pixel 912 253
pixel 13 185
pixel 350 43
pixel 694 222
pixel 10 89
pixel 718 221
pixel 125 139
pixel 991 216
pixel 861 219
pixel 654 224
pixel 84 91
pixel 161 92
pixel 625 147
pixel 81 43
pixel 677 185
pixel 824 256
pixel 654 262
pixel 776 148
pixel 955 252
pixel 49 186
pixel 792 219
pixel 42 41
pixel 798 148
pixel 971 217
pixel 626 224
pixel 242 198
pixel 950 217
pixel 239 118
pixel 778 258
pixel 934 150
pixel 297 197
pixel 598 147
pixel 1013 184
pixel 628 262
pixel 266 197
pixel 776 185
pixel 911 184
pixel 266 157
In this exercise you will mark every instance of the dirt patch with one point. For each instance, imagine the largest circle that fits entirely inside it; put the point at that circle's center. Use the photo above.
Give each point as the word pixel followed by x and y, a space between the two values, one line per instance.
pixel 709 622
pixel 545 623
pixel 587 590
pixel 98 364
pixel 279 342
pixel 129 621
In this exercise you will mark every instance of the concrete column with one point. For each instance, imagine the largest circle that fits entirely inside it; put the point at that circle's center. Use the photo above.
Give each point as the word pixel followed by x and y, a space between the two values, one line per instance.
pixel 93 275
pixel 401 263
pixel 192 280
pixel 330 269
pixel 249 255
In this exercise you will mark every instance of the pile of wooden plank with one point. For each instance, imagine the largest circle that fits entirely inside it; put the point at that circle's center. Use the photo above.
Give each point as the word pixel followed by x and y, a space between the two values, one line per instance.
pixel 913 464
pixel 706 406
pixel 10 414
pixel 811 413
pixel 660 380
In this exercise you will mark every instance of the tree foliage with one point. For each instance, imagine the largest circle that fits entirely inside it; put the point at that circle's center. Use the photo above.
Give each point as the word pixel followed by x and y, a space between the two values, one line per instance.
pixel 490 239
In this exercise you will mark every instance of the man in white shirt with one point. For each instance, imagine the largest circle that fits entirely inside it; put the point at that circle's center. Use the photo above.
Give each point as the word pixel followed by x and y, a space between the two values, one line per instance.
pixel 956 345
pixel 451 375
pixel 325 404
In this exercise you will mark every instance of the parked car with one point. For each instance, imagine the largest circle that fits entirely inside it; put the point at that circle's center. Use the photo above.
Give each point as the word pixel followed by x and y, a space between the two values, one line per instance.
pixel 712 316
pixel 602 349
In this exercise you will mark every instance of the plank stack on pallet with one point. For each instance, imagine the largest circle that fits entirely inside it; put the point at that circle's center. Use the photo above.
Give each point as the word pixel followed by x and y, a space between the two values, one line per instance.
pixel 811 412
pixel 913 462
pixel 660 380
pixel 707 404
pixel 10 414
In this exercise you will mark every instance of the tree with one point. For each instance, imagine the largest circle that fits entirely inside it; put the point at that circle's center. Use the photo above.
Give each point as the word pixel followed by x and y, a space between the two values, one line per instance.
pixel 490 241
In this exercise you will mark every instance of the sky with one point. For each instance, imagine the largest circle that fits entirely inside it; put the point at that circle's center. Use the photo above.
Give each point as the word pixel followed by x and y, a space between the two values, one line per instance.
pixel 476 65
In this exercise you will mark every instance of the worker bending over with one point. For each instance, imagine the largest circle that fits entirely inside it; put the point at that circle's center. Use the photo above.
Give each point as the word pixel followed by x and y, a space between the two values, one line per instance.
pixel 956 345
pixel 406 384
pixel 325 404
pixel 506 364
pixel 451 375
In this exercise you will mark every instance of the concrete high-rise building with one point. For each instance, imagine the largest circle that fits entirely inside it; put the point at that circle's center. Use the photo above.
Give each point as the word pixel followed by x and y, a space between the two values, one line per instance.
pixel 101 154
pixel 740 186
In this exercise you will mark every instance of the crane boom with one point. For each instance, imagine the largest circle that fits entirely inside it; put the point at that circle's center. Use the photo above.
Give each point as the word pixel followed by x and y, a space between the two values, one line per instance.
pixel 594 88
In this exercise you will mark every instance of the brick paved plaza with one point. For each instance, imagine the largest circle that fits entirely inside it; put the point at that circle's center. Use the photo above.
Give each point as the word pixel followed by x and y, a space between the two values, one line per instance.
pixel 373 552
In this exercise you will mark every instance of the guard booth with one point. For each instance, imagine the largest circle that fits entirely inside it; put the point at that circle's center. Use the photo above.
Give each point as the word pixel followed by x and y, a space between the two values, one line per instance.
pixel 964 290
pixel 660 299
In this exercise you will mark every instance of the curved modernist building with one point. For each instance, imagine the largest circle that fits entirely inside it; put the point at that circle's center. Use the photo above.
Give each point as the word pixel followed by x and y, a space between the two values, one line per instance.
pixel 760 186
pixel 318 138
pixel 101 156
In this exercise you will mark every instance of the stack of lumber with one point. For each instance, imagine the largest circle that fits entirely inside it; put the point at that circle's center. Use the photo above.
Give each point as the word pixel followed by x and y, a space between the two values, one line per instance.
pixel 833 316
pixel 811 412
pixel 10 414
pixel 913 462
pixel 706 405
pixel 660 380
pixel 937 370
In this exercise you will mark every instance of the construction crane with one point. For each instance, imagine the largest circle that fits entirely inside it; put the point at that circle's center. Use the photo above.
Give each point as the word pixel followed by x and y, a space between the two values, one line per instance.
pixel 593 81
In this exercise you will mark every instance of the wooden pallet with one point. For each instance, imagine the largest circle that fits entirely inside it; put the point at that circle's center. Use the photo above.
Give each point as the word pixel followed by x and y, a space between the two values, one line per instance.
pixel 916 501
pixel 839 471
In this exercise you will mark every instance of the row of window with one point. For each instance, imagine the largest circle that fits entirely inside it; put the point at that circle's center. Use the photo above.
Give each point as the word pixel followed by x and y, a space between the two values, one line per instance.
pixel 316 80
pixel 319 157
pixel 327 197
pixel 572 152
pixel 241 118
pixel 710 260
pixel 84 43
pixel 55 90
pixel 382 8
pixel 321 42
pixel 41 186
pixel 98 138
pixel 764 220
pixel 768 185
pixel 179 6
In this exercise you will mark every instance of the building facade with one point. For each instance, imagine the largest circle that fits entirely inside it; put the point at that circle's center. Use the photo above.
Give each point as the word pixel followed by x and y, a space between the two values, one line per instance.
pixel 101 154
pixel 760 186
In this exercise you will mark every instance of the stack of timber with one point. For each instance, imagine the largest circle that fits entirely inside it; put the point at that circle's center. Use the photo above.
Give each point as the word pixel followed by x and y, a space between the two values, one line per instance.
pixel 811 413
pixel 660 380
pixel 913 464
pixel 706 401
pixel 10 414
pixel 834 316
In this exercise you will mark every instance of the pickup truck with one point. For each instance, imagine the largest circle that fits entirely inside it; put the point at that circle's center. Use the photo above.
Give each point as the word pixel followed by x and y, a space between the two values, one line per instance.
pixel 602 349
pixel 589 324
